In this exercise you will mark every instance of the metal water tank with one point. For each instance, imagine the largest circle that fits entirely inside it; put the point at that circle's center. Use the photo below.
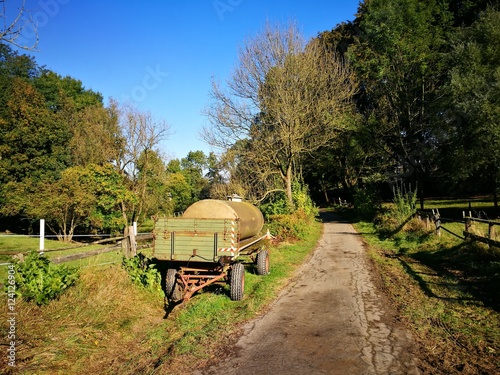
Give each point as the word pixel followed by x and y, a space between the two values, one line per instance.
pixel 250 218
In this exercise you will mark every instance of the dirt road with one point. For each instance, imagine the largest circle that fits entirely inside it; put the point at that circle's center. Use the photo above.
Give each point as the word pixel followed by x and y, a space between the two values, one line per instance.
pixel 330 320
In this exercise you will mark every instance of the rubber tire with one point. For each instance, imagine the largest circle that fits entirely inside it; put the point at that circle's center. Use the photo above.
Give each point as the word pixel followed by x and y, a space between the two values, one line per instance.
pixel 170 281
pixel 237 282
pixel 262 262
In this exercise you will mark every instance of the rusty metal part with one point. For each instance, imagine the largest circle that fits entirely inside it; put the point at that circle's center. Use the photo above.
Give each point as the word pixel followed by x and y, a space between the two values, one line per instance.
pixel 195 279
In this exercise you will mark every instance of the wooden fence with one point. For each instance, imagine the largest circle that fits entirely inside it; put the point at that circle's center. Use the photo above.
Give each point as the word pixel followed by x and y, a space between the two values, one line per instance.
pixel 467 220
pixel 490 240
pixel 128 244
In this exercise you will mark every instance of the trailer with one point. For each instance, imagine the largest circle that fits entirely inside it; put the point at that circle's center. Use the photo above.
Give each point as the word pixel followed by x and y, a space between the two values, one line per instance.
pixel 209 244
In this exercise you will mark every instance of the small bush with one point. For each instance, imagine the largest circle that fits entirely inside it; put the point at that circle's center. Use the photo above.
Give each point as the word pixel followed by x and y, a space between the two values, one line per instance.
pixel 405 202
pixel 142 272
pixel 40 280
pixel 366 203
pixel 290 227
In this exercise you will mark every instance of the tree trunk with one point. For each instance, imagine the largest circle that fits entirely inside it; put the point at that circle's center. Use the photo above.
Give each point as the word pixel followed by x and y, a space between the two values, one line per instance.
pixel 288 182
pixel 495 198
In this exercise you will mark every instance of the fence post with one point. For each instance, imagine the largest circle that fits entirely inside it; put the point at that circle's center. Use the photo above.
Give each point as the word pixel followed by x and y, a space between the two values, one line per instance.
pixel 42 236
pixel 437 221
pixel 129 245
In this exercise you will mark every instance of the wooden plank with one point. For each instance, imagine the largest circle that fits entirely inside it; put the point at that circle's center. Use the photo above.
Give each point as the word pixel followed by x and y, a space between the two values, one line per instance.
pixel 193 236
pixel 69 258
pixel 482 220
pixel 485 240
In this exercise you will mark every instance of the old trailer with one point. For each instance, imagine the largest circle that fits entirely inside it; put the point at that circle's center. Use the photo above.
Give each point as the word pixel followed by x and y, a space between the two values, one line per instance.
pixel 209 244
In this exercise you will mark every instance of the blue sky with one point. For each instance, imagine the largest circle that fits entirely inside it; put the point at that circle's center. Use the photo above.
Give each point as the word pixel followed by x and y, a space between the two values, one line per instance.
pixel 162 55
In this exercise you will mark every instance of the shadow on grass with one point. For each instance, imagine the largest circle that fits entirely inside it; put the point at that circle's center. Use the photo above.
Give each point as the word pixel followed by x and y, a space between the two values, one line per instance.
pixel 466 268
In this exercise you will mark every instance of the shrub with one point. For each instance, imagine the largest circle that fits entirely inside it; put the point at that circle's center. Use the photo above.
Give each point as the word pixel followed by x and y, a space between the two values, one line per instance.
pixel 276 204
pixel 366 203
pixel 40 280
pixel 142 272
pixel 290 227
pixel 405 203
pixel 302 199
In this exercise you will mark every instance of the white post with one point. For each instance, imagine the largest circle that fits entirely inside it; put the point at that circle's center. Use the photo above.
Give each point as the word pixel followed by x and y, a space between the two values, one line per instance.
pixel 135 228
pixel 42 235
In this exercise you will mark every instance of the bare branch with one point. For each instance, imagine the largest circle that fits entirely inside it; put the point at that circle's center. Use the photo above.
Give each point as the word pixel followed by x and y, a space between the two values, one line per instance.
pixel 14 30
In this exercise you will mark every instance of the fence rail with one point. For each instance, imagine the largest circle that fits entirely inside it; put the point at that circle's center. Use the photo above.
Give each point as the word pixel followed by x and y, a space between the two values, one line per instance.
pixel 128 244
pixel 435 216
pixel 490 240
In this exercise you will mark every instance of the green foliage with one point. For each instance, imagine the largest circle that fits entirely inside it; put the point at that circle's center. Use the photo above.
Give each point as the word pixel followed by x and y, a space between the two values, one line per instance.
pixel 41 281
pixel 475 79
pixel 302 200
pixel 405 202
pixel 285 222
pixel 366 202
pixel 290 227
pixel 276 204
pixel 142 272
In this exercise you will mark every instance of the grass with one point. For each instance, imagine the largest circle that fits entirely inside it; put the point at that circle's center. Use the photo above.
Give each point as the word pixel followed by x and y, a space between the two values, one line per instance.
pixel 106 325
pixel 446 291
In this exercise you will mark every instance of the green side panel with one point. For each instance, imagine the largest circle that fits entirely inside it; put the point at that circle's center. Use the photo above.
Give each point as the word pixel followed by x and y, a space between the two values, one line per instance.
pixel 192 239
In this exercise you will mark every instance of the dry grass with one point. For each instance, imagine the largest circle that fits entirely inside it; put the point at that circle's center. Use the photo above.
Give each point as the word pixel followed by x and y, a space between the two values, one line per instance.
pixel 79 332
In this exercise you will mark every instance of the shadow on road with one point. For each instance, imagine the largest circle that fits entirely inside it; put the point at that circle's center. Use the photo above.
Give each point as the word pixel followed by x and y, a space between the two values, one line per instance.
pixel 330 217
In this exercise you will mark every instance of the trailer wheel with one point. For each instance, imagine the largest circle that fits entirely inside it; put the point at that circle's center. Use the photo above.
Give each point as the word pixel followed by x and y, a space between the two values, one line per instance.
pixel 170 282
pixel 237 282
pixel 262 262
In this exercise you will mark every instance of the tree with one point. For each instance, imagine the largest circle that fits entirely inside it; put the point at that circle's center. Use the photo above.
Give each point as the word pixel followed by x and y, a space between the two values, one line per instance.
pixel 140 134
pixel 33 142
pixel 83 197
pixel 285 101
pixel 152 193
pixel 399 59
pixel 193 167
pixel 475 86
pixel 17 23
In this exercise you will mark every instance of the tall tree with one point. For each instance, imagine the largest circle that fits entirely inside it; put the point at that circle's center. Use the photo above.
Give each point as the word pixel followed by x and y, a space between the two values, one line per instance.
pixel 475 84
pixel 285 100
pixel 399 59
pixel 33 143
pixel 140 134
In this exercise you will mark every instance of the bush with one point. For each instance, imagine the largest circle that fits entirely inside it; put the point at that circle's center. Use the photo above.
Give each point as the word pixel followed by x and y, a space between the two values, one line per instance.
pixel 142 272
pixel 290 227
pixel 276 204
pixel 366 203
pixel 302 200
pixel 405 203
pixel 40 280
